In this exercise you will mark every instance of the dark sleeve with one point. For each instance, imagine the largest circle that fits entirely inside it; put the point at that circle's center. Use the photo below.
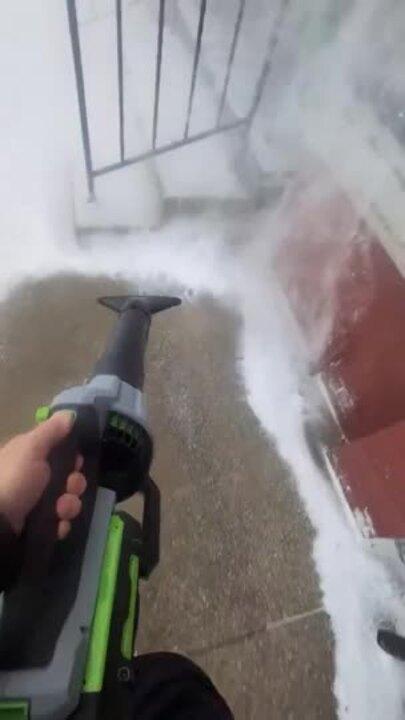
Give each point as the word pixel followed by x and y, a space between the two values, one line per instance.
pixel 171 687
pixel 10 553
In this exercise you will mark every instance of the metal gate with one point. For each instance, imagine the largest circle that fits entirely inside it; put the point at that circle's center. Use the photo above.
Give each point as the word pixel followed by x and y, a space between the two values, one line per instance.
pixel 123 160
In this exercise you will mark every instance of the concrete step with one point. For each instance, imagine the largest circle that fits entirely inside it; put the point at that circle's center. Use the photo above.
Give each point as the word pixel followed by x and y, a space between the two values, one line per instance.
pixel 217 167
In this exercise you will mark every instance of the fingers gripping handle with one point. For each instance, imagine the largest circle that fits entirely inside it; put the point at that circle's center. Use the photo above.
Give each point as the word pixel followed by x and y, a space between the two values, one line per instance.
pixel 36 606
pixel 42 524
pixel 41 534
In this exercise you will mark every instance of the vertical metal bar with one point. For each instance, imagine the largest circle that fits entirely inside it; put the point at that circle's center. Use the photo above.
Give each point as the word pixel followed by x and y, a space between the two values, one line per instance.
pixel 118 16
pixel 81 95
pixel 200 29
pixel 158 70
pixel 230 60
pixel 274 37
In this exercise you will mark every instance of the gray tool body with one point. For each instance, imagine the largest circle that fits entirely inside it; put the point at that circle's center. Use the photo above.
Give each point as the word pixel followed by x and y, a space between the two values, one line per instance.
pixel 46 616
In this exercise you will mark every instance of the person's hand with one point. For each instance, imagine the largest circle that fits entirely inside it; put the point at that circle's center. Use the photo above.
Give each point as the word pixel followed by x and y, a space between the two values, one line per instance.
pixel 25 473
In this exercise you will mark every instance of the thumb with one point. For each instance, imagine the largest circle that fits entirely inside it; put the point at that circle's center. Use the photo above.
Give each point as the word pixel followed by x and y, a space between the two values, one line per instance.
pixel 51 432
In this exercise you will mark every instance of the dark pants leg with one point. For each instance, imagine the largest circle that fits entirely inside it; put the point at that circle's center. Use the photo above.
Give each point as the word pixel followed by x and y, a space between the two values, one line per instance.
pixel 171 687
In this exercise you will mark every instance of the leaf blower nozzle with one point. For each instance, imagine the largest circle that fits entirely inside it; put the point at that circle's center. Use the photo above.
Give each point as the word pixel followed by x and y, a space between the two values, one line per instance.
pixel 124 355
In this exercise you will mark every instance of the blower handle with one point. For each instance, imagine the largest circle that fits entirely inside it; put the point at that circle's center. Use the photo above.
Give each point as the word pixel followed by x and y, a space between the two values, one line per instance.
pixel 38 602
pixel 41 530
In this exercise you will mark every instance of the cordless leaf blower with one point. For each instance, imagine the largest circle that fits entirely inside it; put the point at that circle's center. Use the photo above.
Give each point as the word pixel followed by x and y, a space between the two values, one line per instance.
pixel 68 622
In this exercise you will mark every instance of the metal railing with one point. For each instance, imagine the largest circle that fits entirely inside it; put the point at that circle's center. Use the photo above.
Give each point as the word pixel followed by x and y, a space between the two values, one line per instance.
pixel 93 172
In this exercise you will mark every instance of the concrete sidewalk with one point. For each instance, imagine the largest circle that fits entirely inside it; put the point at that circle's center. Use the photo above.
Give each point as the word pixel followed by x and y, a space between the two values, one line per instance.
pixel 236 588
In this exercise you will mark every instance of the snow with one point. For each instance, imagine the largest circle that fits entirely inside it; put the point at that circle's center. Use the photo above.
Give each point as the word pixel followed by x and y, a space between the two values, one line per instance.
pixel 38 140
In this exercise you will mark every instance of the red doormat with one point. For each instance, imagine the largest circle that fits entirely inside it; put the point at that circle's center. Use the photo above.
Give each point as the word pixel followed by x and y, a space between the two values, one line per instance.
pixel 371 473
pixel 348 297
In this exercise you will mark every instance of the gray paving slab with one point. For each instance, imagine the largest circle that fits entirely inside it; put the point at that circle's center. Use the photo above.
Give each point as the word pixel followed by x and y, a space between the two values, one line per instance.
pixel 283 674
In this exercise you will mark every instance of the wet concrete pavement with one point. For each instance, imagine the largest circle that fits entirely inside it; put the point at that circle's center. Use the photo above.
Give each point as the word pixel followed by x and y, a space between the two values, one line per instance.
pixel 236 588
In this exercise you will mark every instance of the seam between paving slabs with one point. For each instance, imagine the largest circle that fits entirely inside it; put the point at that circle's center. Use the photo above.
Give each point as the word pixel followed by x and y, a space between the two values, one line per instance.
pixel 269 626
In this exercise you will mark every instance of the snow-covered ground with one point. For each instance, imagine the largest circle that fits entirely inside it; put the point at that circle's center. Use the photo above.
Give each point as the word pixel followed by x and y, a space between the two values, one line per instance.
pixel 40 148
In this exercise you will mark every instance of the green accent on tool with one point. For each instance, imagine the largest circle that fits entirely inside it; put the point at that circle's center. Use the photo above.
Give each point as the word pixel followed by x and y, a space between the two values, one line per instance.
pixel 42 413
pixel 124 429
pixel 114 420
pixel 14 710
pixel 98 644
pixel 127 640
